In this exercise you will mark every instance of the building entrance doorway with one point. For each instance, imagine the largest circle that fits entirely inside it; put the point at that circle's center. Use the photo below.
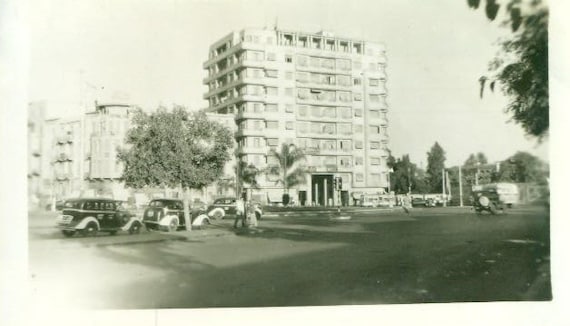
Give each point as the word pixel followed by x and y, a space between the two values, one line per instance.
pixel 322 191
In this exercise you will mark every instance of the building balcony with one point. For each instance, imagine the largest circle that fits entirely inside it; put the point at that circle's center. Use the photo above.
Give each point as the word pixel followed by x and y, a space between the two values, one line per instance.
pixel 249 115
pixel 249 133
pixel 253 150
pixel 62 157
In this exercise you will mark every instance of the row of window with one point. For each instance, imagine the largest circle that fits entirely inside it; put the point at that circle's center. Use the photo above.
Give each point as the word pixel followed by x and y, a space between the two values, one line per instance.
pixel 301 77
pixel 313 127
pixel 302 61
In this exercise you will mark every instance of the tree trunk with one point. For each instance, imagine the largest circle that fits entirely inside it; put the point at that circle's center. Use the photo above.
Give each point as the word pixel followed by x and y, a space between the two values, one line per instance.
pixel 187 219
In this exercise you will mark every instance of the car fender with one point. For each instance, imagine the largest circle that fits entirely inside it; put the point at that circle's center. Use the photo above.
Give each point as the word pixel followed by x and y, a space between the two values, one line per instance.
pixel 83 223
pixel 215 210
pixel 201 220
pixel 165 221
pixel 128 225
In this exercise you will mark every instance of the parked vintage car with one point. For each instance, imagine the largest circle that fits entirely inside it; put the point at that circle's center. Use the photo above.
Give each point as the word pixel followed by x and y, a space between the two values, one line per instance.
pixel 226 206
pixel 88 216
pixel 488 200
pixel 168 215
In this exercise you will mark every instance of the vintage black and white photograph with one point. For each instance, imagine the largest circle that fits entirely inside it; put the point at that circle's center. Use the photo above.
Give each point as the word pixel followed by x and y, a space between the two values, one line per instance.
pixel 269 154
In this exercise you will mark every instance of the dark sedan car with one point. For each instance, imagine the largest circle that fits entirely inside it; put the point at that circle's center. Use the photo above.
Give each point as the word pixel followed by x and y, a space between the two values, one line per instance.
pixel 418 202
pixel 88 216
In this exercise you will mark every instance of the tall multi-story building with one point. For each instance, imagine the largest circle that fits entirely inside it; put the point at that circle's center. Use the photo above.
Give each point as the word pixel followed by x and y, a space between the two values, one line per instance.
pixel 325 94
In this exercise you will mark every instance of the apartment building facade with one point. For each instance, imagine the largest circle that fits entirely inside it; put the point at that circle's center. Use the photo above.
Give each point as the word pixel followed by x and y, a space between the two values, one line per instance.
pixel 76 156
pixel 323 93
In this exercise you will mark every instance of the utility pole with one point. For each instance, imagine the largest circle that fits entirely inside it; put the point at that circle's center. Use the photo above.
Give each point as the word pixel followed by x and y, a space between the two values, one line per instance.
pixel 443 186
pixel 460 189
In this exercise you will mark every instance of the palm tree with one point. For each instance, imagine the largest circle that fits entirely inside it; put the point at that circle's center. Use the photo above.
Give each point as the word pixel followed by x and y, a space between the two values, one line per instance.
pixel 289 171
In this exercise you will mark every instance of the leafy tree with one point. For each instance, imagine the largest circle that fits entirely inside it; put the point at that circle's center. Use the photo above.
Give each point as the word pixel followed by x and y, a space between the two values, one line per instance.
pixel 523 167
pixel 521 67
pixel 473 159
pixel 174 149
pixel 435 164
pixel 289 170
pixel 406 176
pixel 475 166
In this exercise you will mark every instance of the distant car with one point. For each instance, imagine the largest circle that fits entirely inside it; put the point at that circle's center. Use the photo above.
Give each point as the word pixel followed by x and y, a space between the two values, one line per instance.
pixel 488 200
pixel 226 206
pixel 430 202
pixel 88 216
pixel 418 201
pixel 168 215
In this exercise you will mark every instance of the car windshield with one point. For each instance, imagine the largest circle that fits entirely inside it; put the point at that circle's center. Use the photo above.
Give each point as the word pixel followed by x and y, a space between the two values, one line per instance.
pixel 170 204
pixel 224 201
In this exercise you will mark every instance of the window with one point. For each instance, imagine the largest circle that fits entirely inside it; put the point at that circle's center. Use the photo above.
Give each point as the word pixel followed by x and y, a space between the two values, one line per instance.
pixel 289 75
pixel 358 144
pixel 345 145
pixel 374 129
pixel 272 91
pixel 302 60
pixel 374 114
pixel 271 108
pixel 272 124
pixel 303 127
pixel 257 108
pixel 358 129
pixel 375 160
pixel 344 112
pixel 373 82
pixel 374 145
pixel 359 177
pixel 344 128
pixel 272 73
pixel 358 161
pixel 374 98
pixel 357 112
pixel 289 107
pixel 289 91
pixel 288 58
pixel 345 162
pixel 289 125
pixel 272 142
pixel 302 109
pixel 344 96
pixel 329 112
pixel 270 56
pixel 358 96
pixel 302 77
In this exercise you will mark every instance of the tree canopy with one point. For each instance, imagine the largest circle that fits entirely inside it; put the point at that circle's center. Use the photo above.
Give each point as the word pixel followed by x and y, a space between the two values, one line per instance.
pixel 523 167
pixel 521 67
pixel 174 149
pixel 406 176
pixel 435 164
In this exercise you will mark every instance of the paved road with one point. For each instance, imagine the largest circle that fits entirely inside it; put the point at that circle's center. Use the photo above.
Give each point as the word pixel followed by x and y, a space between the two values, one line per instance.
pixel 375 257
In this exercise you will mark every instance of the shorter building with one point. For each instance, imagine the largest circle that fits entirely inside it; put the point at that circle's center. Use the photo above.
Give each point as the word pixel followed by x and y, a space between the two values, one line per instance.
pixel 76 156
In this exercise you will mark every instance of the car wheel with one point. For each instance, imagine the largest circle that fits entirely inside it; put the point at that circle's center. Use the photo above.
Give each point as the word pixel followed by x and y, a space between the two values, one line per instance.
pixel 173 226
pixel 493 208
pixel 135 228
pixel 258 216
pixel 90 230
pixel 68 233
pixel 218 215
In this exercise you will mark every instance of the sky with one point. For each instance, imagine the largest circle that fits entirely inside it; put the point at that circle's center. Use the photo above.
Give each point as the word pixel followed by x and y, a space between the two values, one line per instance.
pixel 151 52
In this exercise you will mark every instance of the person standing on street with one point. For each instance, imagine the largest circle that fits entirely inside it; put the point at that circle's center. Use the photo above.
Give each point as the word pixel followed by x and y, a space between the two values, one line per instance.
pixel 240 212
